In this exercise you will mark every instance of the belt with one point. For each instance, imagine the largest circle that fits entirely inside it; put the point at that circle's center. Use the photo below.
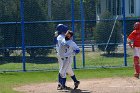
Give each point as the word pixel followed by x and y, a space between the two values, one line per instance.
pixel 64 58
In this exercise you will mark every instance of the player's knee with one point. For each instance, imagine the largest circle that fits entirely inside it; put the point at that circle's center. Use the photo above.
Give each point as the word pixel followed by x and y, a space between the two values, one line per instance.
pixel 70 73
pixel 63 75
pixel 136 57
pixel 136 60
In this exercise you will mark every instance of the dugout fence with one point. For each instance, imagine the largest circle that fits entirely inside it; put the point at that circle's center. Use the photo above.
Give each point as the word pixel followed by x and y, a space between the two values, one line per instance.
pixel 27 31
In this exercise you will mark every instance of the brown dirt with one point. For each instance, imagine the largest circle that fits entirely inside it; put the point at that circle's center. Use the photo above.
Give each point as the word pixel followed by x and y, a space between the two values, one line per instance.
pixel 105 85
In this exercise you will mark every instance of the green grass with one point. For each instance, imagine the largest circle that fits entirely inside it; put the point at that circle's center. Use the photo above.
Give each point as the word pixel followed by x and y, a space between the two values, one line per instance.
pixel 92 59
pixel 97 59
pixel 14 79
pixel 9 80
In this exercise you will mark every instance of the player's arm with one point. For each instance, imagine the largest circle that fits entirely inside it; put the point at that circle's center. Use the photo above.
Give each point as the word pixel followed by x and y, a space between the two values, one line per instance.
pixel 130 39
pixel 74 46
pixel 55 38
pixel 130 42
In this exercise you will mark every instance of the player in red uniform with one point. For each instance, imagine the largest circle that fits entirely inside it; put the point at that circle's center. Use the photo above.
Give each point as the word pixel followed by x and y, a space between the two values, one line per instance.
pixel 134 42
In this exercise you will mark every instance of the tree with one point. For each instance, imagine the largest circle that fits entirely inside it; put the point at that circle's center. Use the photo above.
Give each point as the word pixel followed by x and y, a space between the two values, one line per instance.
pixel 103 32
pixel 37 34
pixel 89 16
pixel 10 33
pixel 61 9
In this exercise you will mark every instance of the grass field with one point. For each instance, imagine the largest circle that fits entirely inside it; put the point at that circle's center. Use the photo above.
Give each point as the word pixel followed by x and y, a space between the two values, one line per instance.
pixel 92 59
pixel 9 80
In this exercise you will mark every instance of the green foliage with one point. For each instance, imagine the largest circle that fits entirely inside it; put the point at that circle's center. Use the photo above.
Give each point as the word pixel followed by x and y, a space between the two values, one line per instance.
pixel 103 32
pixel 61 10
pixel 37 34
pixel 9 10
pixel 90 9
pixel 39 10
pixel 130 24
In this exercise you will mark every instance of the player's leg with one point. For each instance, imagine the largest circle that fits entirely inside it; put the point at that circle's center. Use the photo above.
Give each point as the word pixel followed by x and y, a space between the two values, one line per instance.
pixel 136 66
pixel 71 73
pixel 59 76
pixel 139 61
pixel 62 72
pixel 136 62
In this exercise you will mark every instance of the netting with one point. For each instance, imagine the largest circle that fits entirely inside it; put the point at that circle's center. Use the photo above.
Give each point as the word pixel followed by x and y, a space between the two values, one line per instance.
pixel 98 27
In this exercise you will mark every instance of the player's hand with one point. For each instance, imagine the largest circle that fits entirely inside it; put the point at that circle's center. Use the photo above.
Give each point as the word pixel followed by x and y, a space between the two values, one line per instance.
pixel 77 51
pixel 131 45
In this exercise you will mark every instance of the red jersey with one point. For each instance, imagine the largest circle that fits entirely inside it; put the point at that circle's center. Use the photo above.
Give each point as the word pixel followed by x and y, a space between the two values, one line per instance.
pixel 135 37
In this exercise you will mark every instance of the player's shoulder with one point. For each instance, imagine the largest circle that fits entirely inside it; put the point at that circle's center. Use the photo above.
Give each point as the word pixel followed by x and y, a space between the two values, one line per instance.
pixel 64 41
pixel 69 41
pixel 134 31
pixel 60 37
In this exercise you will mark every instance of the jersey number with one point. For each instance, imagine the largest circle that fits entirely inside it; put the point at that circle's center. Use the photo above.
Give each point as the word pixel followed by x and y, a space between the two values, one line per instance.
pixel 66 50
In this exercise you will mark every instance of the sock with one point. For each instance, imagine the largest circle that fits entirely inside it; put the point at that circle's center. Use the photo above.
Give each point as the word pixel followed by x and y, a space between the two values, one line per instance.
pixel 63 82
pixel 74 78
pixel 59 78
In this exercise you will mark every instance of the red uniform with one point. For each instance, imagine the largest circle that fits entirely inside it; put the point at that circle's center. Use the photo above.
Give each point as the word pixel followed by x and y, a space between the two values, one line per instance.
pixel 135 38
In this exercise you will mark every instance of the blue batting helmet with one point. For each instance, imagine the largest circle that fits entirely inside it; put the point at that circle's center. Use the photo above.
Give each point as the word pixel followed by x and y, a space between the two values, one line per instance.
pixel 61 28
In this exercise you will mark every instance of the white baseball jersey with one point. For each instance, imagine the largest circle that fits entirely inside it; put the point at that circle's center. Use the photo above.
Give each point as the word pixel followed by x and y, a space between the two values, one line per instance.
pixel 71 46
pixel 61 48
pixel 65 51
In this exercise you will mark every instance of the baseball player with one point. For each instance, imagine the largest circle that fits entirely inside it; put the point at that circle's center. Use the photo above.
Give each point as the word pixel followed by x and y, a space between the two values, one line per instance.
pixel 65 57
pixel 62 29
pixel 134 42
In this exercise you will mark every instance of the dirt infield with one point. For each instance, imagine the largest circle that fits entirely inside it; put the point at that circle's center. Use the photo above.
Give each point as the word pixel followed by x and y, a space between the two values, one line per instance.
pixel 105 85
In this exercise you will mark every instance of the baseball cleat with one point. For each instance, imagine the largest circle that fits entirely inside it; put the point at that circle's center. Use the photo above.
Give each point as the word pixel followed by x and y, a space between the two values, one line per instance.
pixel 59 87
pixel 76 84
pixel 65 88
pixel 136 75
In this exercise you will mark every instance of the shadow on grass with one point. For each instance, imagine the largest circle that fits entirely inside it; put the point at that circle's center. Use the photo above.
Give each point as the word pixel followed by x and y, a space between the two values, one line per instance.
pixel 37 60
pixel 118 55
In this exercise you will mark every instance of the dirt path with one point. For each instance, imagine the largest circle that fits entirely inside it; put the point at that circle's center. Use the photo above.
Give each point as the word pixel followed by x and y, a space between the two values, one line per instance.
pixel 106 85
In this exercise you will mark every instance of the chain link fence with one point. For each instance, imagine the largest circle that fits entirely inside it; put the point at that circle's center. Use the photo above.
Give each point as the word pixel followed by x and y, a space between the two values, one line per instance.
pixel 100 29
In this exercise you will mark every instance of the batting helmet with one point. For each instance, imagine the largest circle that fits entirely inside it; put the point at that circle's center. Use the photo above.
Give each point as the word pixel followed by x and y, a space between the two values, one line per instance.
pixel 137 25
pixel 61 28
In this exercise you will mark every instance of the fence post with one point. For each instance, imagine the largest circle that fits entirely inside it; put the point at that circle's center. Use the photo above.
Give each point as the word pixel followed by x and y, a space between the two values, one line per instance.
pixel 72 14
pixel 82 31
pixel 124 32
pixel 23 34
